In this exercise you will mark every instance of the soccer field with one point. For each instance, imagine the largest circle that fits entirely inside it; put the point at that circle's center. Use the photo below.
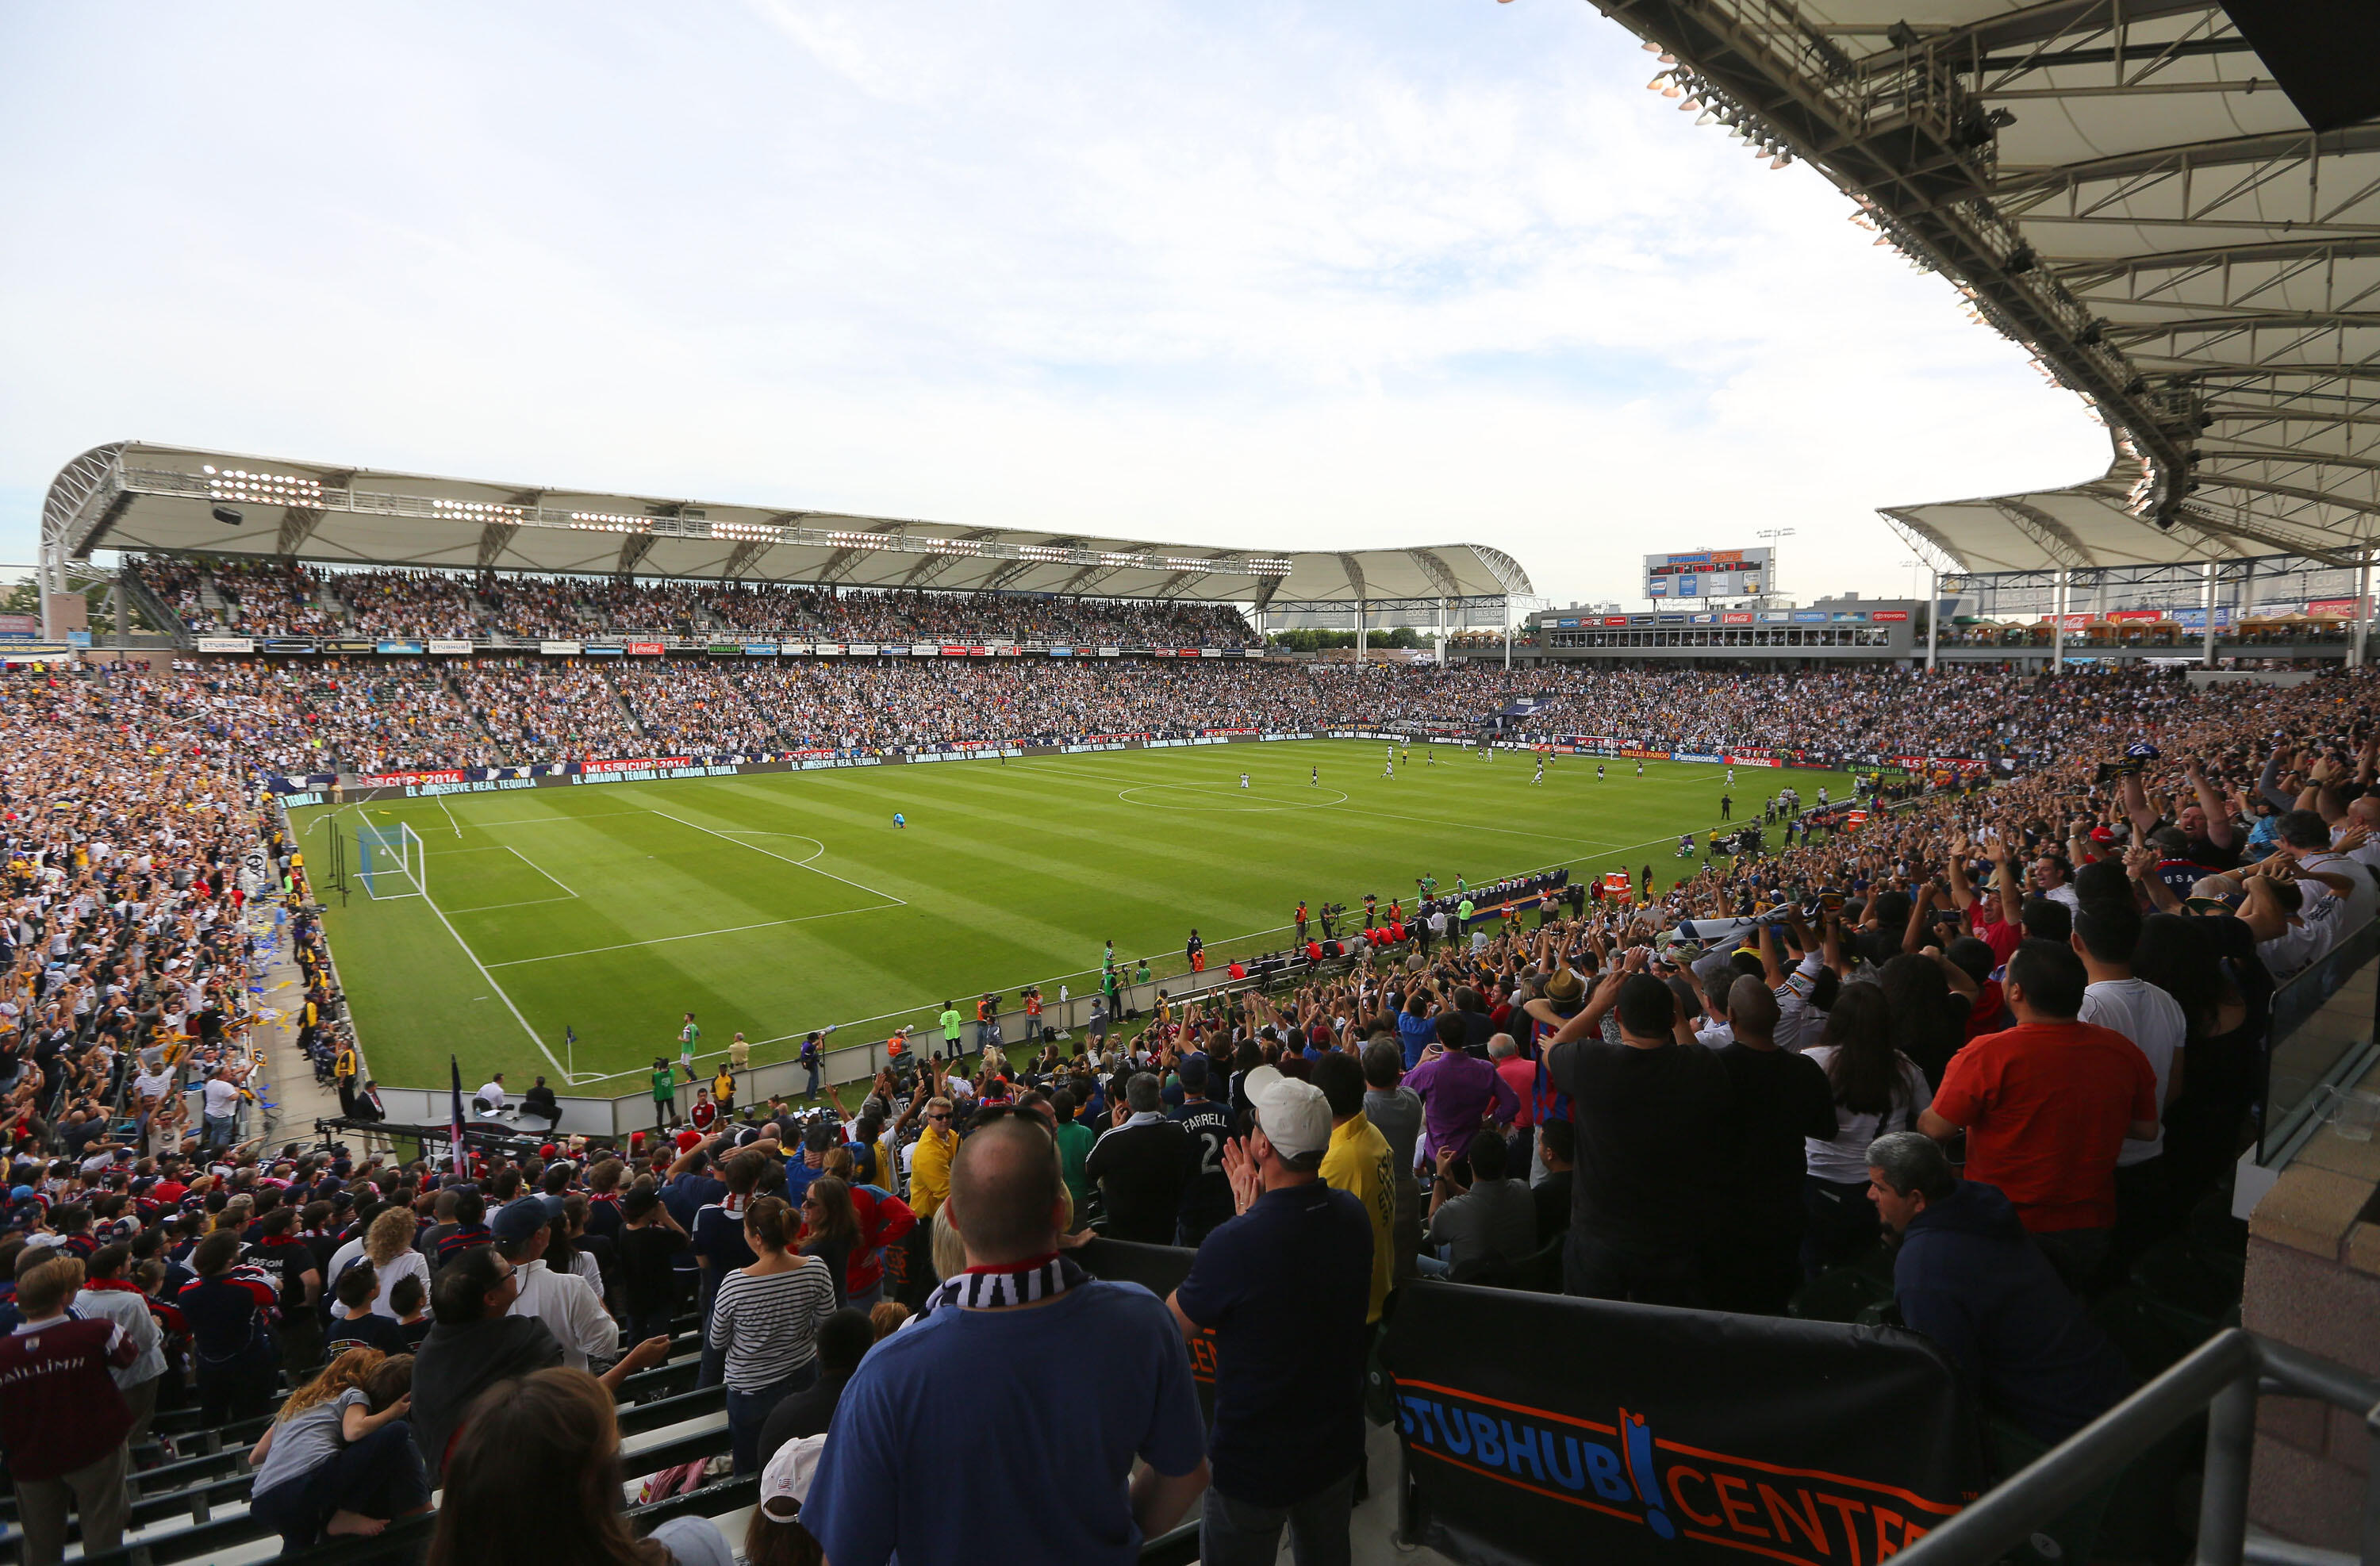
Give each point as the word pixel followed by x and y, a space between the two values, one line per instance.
pixel 781 902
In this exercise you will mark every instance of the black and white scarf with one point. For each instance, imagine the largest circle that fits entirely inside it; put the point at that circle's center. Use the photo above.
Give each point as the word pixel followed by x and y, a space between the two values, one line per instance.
pixel 989 1288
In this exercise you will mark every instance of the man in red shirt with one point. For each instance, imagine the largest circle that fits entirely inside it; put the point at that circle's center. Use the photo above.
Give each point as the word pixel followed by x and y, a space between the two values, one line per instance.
pixel 2047 1105
pixel 62 1420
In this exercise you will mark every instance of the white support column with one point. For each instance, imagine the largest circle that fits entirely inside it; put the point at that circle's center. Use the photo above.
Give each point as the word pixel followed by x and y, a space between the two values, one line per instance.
pixel 1359 633
pixel 1508 636
pixel 2356 648
pixel 1933 619
pixel 2058 624
pixel 2209 655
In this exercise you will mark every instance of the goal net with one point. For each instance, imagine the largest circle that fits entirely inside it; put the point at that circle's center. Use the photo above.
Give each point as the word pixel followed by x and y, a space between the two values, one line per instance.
pixel 389 862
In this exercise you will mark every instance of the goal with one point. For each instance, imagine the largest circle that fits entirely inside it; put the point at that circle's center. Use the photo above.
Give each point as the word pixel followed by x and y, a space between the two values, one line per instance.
pixel 391 863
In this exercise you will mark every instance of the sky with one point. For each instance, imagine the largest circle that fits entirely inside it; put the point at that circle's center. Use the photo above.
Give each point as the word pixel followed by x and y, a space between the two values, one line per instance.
pixel 1264 275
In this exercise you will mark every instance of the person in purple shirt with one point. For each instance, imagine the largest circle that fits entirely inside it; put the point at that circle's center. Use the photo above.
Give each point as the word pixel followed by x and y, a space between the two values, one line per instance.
pixel 1458 1091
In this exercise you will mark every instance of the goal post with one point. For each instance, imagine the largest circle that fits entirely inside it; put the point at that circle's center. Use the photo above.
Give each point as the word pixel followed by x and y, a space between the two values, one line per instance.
pixel 391 862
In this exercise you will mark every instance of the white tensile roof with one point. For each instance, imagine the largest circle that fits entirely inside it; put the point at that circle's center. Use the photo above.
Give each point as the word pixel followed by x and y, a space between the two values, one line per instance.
pixel 136 496
pixel 2174 203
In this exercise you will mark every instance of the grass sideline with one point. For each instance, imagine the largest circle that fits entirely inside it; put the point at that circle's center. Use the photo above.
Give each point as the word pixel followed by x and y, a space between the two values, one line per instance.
pixel 781 903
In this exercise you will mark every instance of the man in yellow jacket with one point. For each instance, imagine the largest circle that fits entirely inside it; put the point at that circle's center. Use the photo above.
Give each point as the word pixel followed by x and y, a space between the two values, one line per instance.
pixel 930 1164
pixel 1359 1163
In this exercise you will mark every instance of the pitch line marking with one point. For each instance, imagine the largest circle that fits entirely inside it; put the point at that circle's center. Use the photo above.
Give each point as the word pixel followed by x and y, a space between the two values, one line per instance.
pixel 689 935
pixel 755 831
pixel 724 837
pixel 540 869
pixel 565 1072
pixel 524 902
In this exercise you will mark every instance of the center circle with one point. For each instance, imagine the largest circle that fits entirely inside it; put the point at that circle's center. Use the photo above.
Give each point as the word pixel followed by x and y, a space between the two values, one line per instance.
pixel 1205 798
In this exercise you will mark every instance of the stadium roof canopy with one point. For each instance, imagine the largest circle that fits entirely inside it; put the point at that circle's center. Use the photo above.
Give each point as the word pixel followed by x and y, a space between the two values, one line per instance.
pixel 2174 203
pixel 136 496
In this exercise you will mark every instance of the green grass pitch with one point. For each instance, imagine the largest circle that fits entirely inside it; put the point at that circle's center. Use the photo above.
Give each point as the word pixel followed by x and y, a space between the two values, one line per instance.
pixel 781 902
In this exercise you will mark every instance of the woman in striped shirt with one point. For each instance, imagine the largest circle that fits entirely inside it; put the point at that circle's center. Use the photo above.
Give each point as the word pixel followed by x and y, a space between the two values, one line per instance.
pixel 765 1318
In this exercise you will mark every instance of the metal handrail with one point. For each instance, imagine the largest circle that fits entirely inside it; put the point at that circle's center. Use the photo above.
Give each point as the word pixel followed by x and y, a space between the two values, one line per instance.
pixel 2224 1376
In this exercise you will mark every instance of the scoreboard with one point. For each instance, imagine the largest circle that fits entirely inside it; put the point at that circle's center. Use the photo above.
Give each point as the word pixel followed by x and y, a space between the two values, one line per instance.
pixel 1708 573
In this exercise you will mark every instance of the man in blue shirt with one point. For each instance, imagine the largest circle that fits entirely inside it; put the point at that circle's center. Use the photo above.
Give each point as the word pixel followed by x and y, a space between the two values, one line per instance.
pixel 1284 1287
pixel 1066 1377
pixel 719 1248
pixel 1206 1198
pixel 1967 1275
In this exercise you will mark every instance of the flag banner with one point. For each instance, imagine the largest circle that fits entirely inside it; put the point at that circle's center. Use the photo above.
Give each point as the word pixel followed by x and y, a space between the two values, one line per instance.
pixel 455 1125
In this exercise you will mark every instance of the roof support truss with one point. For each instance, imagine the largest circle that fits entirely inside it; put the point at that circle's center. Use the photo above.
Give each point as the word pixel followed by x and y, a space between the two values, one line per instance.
pixel 2054 536
pixel 297 525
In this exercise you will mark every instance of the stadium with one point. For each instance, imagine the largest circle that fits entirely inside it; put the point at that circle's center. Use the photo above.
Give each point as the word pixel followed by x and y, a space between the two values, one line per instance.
pixel 1906 1065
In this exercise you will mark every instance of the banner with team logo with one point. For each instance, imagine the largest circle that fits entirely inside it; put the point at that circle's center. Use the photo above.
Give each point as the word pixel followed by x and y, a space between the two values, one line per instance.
pixel 1640 1435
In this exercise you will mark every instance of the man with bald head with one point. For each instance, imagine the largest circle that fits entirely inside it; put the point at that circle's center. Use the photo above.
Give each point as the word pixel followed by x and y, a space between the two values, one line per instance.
pixel 1066 1380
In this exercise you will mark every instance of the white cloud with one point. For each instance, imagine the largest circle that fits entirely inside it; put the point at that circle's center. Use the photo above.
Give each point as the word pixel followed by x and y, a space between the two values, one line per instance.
pixel 1224 273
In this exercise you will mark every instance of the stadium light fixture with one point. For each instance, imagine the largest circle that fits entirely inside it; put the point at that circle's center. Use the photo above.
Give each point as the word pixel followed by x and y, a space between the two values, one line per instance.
pixel 606 522
pixel 476 511
pixel 262 488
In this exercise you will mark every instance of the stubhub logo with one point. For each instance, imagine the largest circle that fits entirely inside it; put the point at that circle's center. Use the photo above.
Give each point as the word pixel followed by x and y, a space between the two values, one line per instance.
pixel 1622 1469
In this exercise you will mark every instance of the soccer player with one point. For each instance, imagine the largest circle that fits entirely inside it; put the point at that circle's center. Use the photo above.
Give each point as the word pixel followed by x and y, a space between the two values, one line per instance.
pixel 1685 846
pixel 1429 754
pixel 1730 777
pixel 1599 771
pixel 1390 770
pixel 687 1038
pixel 1640 766
pixel 1314 780
pixel 899 820
pixel 1243 780
pixel 1725 807
pixel 1541 771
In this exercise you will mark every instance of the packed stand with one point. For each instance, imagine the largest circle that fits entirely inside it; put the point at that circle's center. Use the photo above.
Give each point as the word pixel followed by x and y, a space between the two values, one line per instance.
pixel 274 597
pixel 693 708
pixel 406 605
pixel 176 584
pixel 545 711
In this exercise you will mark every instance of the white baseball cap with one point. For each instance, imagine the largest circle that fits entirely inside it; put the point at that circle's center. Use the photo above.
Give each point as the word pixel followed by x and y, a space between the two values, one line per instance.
pixel 785 1483
pixel 1294 1115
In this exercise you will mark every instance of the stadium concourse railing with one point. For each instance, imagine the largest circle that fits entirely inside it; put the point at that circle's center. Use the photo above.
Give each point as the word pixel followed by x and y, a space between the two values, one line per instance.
pixel 2223 1380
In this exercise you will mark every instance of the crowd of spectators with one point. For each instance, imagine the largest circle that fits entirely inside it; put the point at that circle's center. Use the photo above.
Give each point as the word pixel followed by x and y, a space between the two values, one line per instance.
pixel 2004 1037
pixel 176 583
pixel 407 603
pixel 333 715
pixel 539 711
pixel 277 597
pixel 272 598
